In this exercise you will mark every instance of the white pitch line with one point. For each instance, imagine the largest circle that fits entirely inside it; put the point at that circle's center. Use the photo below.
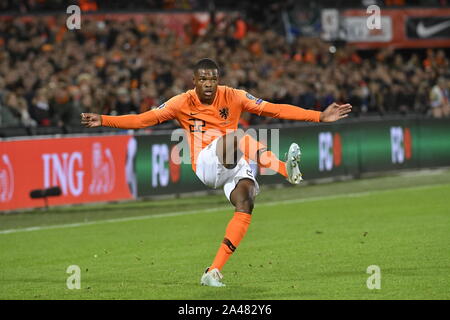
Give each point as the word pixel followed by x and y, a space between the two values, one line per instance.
pixel 182 213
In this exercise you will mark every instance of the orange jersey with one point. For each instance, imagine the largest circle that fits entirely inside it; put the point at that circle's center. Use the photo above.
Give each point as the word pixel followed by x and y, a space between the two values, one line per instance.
pixel 204 123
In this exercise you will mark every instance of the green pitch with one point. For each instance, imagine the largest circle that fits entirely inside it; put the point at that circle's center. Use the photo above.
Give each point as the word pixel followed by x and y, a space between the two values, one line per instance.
pixel 305 242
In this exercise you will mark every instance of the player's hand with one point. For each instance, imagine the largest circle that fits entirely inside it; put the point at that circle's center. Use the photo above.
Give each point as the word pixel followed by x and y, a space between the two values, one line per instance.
pixel 335 112
pixel 91 120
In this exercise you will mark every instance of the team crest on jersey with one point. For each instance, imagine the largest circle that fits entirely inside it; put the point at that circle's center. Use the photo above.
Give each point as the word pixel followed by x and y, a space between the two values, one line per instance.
pixel 224 112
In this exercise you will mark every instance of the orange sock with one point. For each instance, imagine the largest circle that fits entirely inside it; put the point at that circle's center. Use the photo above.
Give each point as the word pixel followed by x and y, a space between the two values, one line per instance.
pixel 267 159
pixel 236 230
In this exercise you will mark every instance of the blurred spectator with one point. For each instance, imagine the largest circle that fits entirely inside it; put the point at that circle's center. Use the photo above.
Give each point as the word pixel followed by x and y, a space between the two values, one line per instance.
pixel 40 108
pixel 439 98
pixel 124 103
pixel 376 98
pixel 9 117
pixel 121 67
pixel 421 101
pixel 65 112
pixel 15 111
pixel 307 95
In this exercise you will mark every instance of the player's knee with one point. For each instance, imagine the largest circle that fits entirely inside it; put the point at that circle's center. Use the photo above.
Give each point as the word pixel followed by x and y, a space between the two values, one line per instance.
pixel 245 204
pixel 243 196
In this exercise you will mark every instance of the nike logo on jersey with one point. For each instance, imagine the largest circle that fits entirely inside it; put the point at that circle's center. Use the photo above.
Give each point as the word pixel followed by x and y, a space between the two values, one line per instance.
pixel 425 32
pixel 193 113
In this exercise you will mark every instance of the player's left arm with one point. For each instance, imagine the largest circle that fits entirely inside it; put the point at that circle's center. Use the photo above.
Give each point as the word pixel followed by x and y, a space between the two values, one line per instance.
pixel 166 111
pixel 332 113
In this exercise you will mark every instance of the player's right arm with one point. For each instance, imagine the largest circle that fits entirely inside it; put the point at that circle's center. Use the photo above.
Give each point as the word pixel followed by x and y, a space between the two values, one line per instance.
pixel 260 107
pixel 165 112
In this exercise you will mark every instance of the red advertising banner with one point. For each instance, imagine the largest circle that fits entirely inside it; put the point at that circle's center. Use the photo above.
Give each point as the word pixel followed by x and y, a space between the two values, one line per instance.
pixel 87 169
pixel 400 28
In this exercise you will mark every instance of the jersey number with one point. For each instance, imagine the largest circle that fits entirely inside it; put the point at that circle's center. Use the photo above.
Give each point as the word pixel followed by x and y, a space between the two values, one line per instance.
pixel 197 126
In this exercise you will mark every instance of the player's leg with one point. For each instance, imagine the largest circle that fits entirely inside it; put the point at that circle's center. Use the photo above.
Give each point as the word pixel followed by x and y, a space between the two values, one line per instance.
pixel 258 152
pixel 227 149
pixel 242 197
pixel 232 146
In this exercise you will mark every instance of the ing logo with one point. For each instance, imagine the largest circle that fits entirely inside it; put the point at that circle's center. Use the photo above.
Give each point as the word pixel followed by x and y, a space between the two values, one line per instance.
pixel 401 144
pixel 6 179
pixel 330 151
pixel 65 170
pixel 103 170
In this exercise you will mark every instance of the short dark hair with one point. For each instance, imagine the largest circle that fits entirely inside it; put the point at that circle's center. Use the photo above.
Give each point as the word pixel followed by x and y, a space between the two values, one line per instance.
pixel 206 64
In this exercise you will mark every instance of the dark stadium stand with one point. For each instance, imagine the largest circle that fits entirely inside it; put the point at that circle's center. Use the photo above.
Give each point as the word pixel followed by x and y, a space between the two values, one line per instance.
pixel 49 75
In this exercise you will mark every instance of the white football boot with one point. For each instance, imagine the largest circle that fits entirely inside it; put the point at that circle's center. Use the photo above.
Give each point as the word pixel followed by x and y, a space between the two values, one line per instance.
pixel 212 278
pixel 293 164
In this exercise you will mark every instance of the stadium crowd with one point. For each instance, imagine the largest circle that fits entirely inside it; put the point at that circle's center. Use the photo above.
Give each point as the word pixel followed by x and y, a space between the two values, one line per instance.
pixel 49 75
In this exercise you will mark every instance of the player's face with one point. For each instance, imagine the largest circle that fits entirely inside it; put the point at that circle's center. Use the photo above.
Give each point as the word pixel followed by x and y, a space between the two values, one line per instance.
pixel 206 81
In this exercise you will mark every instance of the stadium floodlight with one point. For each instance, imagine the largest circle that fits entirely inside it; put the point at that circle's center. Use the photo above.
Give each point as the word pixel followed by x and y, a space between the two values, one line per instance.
pixel 45 193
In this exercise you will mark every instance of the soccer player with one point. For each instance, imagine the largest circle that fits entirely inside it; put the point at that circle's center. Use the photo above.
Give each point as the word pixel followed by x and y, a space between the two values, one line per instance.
pixel 209 114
